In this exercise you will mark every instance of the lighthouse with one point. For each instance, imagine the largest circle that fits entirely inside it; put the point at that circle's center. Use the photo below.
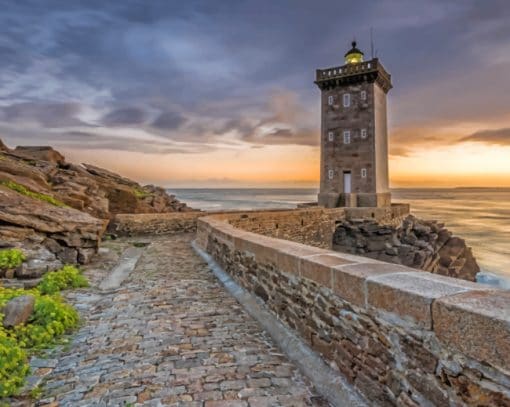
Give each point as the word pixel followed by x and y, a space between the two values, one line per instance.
pixel 354 134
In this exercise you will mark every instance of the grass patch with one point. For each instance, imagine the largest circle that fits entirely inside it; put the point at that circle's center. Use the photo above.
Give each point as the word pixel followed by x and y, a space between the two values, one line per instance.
pixel 140 244
pixel 21 189
pixel 11 258
pixel 140 193
pixel 51 319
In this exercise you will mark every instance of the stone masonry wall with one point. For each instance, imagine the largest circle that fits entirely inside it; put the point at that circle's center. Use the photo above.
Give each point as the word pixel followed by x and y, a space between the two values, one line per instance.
pixel 403 338
pixel 310 226
pixel 153 224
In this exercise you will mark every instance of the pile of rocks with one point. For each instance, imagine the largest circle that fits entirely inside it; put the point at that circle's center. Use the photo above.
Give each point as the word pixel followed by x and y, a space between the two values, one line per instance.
pixel 56 211
pixel 424 245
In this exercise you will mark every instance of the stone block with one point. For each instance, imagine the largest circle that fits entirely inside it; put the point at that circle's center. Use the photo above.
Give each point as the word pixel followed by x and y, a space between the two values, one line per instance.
pixel 476 323
pixel 410 295
pixel 318 268
pixel 259 246
pixel 349 281
pixel 290 255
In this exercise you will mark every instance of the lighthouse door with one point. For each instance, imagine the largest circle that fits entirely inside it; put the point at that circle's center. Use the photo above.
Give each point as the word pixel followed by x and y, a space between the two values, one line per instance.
pixel 347 182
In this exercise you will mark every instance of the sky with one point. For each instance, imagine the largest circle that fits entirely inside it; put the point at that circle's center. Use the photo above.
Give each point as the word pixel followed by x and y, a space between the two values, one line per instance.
pixel 221 94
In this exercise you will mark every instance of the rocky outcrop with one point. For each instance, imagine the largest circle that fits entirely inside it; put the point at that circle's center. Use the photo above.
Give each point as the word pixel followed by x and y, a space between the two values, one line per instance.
pixel 56 211
pixel 99 192
pixel 49 235
pixel 424 245
pixel 43 153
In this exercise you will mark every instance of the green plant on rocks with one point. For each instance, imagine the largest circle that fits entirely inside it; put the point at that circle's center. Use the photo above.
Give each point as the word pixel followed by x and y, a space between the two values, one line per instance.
pixel 51 319
pixel 67 277
pixel 13 364
pixel 21 189
pixel 140 193
pixel 11 258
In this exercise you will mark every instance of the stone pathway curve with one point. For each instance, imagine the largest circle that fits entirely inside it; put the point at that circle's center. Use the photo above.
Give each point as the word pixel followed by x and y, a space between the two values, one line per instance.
pixel 171 335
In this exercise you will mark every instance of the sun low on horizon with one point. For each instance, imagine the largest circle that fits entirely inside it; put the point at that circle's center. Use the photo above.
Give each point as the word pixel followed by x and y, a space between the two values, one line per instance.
pixel 190 95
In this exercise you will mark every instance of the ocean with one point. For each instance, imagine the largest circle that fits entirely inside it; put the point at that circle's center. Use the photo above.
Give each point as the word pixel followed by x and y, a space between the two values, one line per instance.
pixel 479 215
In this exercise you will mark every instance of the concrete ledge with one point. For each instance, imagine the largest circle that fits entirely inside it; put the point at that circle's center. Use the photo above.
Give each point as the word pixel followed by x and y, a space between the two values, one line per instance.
pixel 477 324
pixel 350 282
pixel 410 294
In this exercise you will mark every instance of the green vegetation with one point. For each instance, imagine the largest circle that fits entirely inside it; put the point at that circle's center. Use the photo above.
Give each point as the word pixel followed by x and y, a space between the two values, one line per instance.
pixel 13 365
pixel 140 193
pixel 51 319
pixel 66 277
pixel 140 244
pixel 21 189
pixel 11 258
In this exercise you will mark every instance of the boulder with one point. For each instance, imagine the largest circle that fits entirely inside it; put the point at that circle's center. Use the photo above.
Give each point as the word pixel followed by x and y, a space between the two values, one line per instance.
pixel 39 261
pixel 40 153
pixel 18 310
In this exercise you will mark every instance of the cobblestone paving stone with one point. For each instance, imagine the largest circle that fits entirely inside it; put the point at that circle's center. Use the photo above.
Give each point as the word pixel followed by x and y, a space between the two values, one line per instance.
pixel 171 335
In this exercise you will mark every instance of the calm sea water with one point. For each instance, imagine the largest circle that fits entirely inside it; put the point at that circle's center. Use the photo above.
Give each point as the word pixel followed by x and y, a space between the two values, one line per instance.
pixel 481 216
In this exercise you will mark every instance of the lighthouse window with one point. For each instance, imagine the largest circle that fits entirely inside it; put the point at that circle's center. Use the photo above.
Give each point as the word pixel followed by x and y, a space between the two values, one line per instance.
pixel 347 137
pixel 331 136
pixel 330 100
pixel 363 95
pixel 363 173
pixel 330 174
pixel 347 99
pixel 363 133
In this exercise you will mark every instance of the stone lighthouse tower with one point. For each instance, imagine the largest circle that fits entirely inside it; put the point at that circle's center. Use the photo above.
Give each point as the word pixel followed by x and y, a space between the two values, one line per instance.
pixel 354 135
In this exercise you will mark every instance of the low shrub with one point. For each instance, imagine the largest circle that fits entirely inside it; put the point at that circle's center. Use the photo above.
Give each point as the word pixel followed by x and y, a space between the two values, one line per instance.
pixel 13 365
pixel 21 189
pixel 66 277
pixel 11 258
pixel 51 319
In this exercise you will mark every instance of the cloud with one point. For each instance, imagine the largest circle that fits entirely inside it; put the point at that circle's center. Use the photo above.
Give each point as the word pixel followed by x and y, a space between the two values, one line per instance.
pixel 127 116
pixel 45 114
pixel 169 121
pixel 407 140
pixel 282 120
pixel 191 76
pixel 498 136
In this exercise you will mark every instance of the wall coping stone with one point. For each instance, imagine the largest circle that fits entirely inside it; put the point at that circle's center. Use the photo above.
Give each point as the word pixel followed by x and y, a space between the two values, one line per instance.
pixel 476 323
pixel 410 294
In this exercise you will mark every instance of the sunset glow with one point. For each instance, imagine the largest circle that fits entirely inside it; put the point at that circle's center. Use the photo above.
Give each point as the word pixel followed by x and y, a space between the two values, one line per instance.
pixel 192 96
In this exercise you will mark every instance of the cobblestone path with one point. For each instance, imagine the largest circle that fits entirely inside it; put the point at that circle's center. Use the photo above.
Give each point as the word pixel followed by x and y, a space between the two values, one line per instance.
pixel 171 335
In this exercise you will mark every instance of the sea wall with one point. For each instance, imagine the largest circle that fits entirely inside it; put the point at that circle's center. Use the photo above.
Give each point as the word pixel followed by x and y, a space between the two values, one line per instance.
pixel 314 227
pixel 402 337
pixel 153 224
pixel 388 215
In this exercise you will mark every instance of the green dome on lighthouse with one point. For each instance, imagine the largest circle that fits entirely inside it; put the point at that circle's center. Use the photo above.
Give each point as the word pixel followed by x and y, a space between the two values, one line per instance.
pixel 354 55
